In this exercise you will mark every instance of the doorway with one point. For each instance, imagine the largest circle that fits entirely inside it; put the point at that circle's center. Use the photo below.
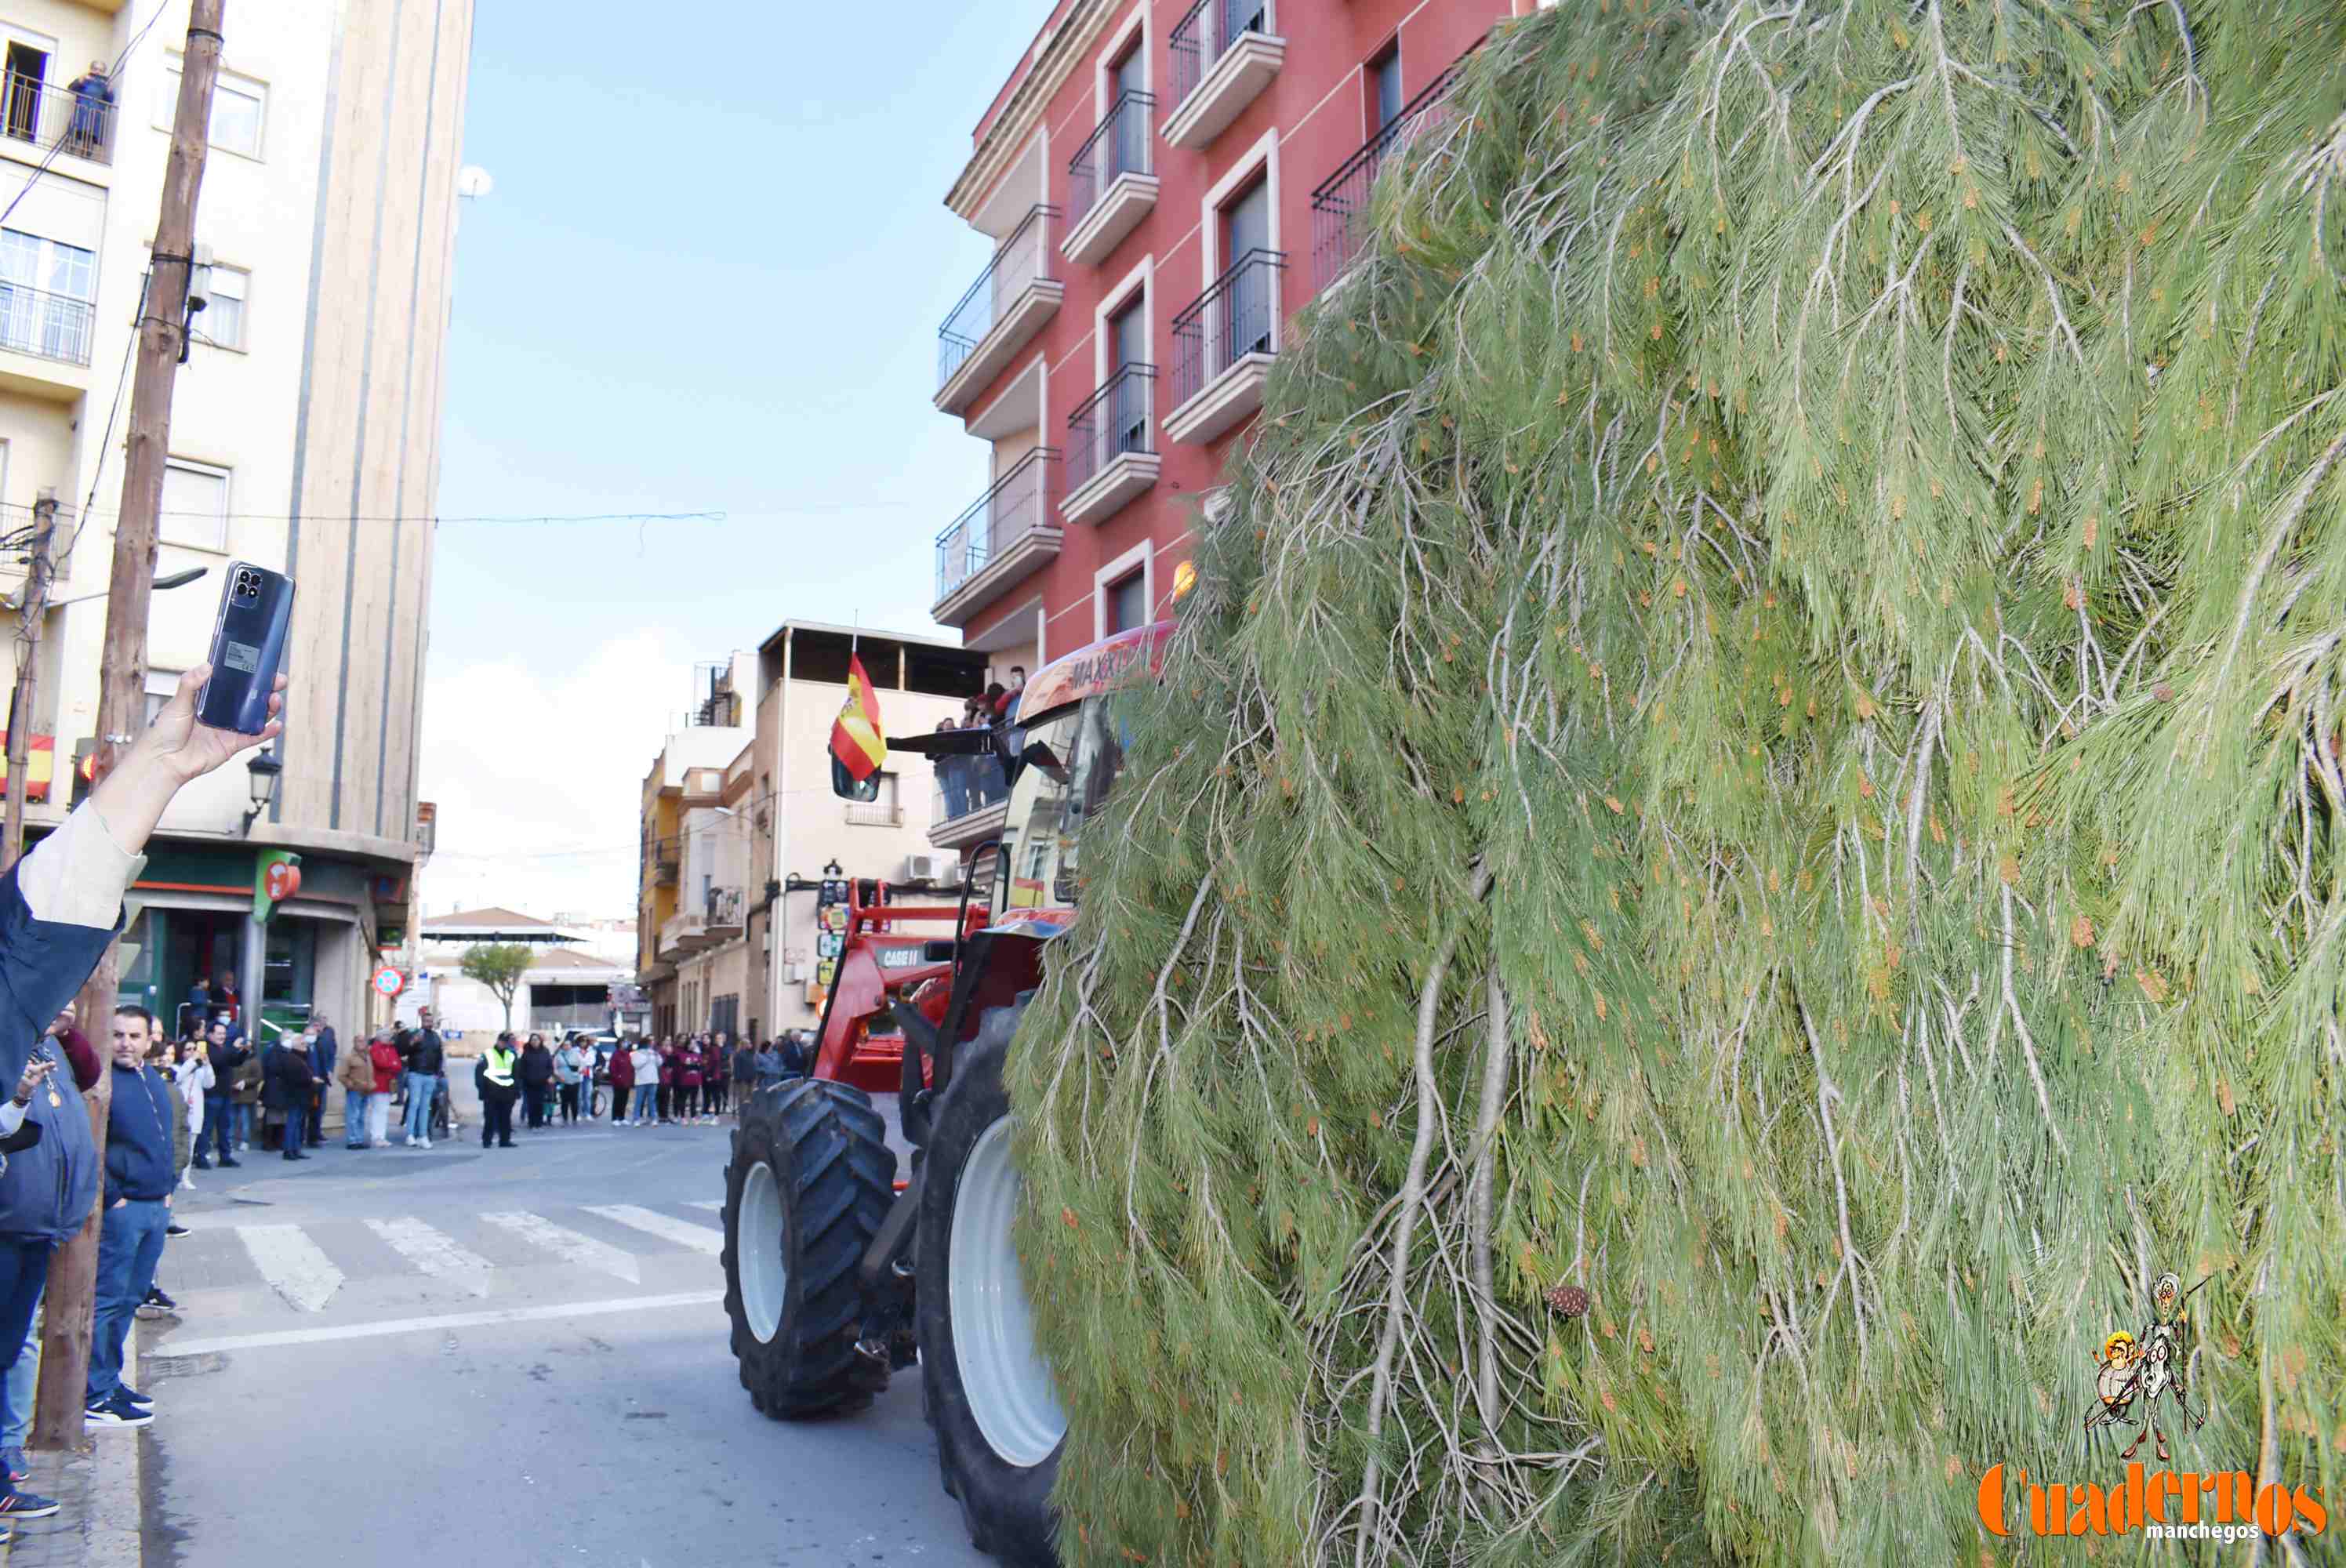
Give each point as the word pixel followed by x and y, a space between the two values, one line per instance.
pixel 27 71
pixel 1252 297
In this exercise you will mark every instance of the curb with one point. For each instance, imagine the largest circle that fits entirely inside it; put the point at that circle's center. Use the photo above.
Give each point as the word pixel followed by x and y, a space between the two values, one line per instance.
pixel 98 1488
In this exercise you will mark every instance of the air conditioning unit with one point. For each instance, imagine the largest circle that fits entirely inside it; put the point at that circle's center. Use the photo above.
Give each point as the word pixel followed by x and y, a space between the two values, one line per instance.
pixel 932 868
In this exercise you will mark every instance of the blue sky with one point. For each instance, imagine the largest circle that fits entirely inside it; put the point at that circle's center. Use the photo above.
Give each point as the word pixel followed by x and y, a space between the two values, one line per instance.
pixel 714 290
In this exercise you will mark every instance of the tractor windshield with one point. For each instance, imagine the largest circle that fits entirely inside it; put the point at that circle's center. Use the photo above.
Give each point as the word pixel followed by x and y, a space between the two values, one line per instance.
pixel 1072 757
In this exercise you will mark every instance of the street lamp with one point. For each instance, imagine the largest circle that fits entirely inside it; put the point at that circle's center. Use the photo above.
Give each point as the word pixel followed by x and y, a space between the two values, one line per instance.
pixel 265 770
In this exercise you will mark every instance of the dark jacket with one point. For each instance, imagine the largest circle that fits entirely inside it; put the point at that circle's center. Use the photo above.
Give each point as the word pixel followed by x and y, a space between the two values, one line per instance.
pixel 745 1066
pixel 323 1054
pixel 139 1136
pixel 536 1064
pixel 225 1060
pixel 507 1064
pixel 286 1079
pixel 425 1053
pixel 48 1188
pixel 622 1069
pixel 715 1065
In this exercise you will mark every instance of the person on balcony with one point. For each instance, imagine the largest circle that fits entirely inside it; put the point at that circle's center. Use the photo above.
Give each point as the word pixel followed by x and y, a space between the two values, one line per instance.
pixel 93 111
pixel 952 777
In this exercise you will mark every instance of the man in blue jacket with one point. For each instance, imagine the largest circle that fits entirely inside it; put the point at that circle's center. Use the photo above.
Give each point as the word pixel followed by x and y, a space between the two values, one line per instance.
pixel 323 1049
pixel 139 1183
pixel 60 905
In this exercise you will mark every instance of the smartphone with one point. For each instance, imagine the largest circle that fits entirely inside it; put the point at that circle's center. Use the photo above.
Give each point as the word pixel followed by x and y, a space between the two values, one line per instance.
pixel 256 611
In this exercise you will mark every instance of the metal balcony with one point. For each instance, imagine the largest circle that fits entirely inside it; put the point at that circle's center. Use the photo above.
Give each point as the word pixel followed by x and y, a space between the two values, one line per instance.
pixel 1222 348
pixel 55 117
pixel 1339 207
pixel 972 801
pixel 1000 314
pixel 715 923
pixel 1111 180
pixel 44 325
pixel 1011 530
pixel 1112 453
pixel 1222 53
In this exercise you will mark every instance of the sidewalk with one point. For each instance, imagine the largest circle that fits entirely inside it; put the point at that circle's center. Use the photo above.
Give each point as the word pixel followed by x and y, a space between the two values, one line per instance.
pixel 99 1522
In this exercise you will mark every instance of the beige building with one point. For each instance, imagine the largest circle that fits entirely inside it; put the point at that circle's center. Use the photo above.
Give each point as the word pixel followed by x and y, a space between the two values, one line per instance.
pixel 744 846
pixel 568 985
pixel 304 433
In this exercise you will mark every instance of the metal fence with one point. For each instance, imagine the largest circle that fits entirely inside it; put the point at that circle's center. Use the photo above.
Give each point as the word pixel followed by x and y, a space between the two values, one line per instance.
pixel 1018 504
pixel 1339 207
pixel 1233 319
pixel 965 786
pixel 1120 417
pixel 53 326
pixel 1120 144
pixel 1019 261
pixel 1205 33
pixel 49 114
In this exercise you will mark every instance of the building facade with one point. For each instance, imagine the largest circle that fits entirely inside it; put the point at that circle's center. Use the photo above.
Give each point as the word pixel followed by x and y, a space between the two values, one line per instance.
pixel 304 435
pixel 735 854
pixel 568 985
pixel 1166 184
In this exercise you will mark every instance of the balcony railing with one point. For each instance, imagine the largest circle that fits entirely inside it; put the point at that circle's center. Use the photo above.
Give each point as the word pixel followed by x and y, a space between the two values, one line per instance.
pixel 1119 146
pixel 1018 261
pixel 1228 321
pixel 1339 207
pixel 19 523
pixel 36 321
pixel 965 786
pixel 1205 33
pixel 49 116
pixel 1018 505
pixel 1120 417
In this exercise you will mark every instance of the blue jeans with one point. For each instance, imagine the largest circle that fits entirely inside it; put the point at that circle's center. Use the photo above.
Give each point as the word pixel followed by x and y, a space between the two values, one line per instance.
pixel 220 1126
pixel 16 1393
pixel 354 1112
pixel 129 1244
pixel 295 1117
pixel 421 1088
pixel 646 1102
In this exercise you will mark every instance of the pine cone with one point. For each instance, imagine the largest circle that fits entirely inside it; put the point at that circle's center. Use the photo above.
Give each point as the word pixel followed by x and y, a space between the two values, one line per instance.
pixel 1569 1299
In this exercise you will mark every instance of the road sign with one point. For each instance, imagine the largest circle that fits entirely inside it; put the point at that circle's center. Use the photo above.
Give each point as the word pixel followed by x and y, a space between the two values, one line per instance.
pixel 388 981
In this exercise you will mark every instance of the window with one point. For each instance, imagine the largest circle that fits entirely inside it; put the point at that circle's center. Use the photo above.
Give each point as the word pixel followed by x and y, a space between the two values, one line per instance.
pixel 46 287
pixel 160 685
pixel 222 322
pixel 27 70
pixel 1385 89
pixel 195 505
pixel 239 105
pixel 1128 603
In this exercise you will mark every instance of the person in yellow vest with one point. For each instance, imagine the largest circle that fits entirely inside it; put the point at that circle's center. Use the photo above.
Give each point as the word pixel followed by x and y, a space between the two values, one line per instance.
pixel 498 1080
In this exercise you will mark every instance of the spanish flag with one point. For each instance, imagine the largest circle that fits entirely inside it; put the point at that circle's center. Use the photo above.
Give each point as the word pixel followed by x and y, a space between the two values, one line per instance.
pixel 855 738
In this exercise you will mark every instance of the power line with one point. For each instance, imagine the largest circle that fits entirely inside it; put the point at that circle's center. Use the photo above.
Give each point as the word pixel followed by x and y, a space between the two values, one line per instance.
pixel 438 517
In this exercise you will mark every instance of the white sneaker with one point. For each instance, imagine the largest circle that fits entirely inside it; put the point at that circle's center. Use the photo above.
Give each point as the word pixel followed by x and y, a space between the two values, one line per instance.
pixel 425 1144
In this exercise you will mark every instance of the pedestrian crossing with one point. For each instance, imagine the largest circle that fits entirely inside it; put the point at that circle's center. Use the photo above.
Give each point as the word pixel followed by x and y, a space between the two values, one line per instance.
pixel 330 1264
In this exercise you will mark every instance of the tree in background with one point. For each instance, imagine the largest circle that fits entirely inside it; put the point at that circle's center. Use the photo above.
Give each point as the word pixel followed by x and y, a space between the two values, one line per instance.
pixel 1738 847
pixel 499 965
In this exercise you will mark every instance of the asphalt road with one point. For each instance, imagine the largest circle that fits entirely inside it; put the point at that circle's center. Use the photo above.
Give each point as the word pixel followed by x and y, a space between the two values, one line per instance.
pixel 499 1357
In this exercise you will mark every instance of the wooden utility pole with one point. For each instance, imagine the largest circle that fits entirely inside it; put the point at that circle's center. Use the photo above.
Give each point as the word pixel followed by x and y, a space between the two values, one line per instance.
pixel 122 676
pixel 28 646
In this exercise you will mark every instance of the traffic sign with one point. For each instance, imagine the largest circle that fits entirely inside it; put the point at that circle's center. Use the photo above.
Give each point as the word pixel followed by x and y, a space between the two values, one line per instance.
pixel 388 981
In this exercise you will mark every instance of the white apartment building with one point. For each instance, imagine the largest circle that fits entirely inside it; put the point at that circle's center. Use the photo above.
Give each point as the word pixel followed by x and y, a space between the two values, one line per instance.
pixel 304 434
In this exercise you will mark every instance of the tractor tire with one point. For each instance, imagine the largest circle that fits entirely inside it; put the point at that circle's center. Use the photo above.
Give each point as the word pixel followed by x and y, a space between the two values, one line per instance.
pixel 999 1427
pixel 811 1178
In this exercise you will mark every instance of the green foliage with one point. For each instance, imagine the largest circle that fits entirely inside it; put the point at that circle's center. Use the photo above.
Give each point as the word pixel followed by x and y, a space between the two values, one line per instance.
pixel 1836 512
pixel 499 965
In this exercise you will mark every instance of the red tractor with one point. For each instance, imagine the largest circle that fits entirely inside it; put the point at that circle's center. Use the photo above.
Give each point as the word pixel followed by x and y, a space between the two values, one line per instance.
pixel 833 1279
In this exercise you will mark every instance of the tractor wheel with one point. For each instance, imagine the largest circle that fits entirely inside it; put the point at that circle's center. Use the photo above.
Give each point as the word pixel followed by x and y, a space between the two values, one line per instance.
pixel 811 1179
pixel 998 1421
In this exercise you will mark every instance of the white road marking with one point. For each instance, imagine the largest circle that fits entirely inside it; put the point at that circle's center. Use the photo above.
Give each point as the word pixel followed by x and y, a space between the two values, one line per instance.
pixel 708 1203
pixel 433 1252
pixel 291 1264
pixel 569 1245
pixel 699 1238
pixel 176 1348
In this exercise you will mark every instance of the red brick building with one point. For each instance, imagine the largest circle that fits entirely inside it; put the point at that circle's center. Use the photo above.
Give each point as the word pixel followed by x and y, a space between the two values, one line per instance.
pixel 1166 184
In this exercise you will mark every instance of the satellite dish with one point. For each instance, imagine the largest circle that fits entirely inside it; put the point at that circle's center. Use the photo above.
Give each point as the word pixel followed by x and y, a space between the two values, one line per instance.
pixel 473 182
